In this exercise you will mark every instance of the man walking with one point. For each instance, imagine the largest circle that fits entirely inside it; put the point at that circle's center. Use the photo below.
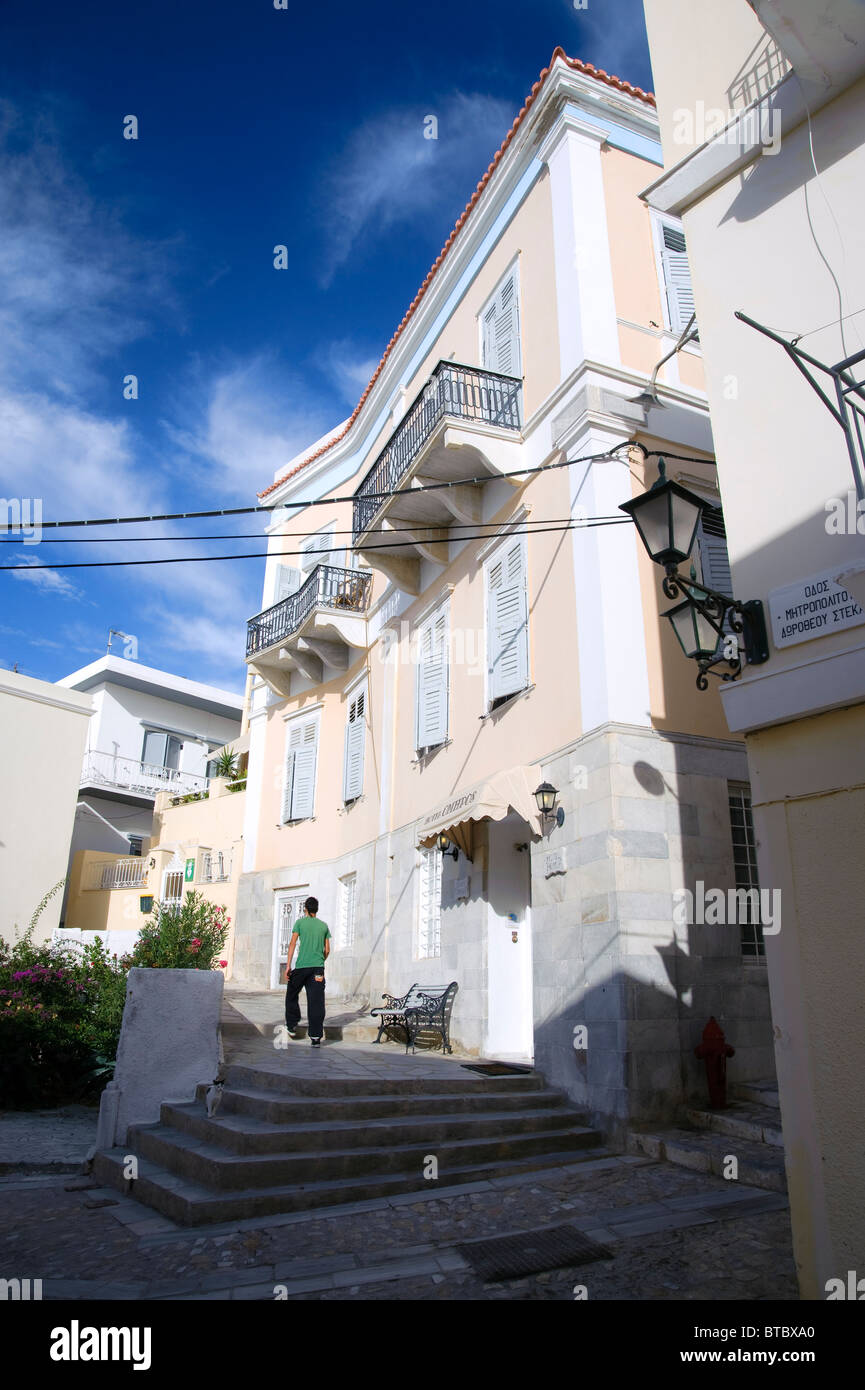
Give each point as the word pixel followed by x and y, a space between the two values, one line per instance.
pixel 308 974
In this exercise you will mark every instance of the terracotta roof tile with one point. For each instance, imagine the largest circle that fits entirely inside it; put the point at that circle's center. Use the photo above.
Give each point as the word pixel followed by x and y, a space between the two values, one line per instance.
pixel 578 66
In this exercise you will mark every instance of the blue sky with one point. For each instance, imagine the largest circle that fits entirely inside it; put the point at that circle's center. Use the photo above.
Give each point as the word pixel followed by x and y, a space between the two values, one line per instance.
pixel 154 257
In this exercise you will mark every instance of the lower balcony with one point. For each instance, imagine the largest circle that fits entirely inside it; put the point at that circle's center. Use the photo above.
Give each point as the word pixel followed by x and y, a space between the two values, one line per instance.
pixel 314 630
pixel 110 773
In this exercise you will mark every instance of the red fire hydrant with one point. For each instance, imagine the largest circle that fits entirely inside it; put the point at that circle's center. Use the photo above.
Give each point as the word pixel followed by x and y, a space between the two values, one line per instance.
pixel 714 1051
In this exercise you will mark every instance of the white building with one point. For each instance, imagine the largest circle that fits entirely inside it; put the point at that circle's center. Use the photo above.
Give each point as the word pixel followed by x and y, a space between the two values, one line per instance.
pixel 150 732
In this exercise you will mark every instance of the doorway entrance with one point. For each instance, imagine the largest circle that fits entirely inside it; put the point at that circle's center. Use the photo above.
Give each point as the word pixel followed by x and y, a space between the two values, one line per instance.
pixel 288 906
pixel 510 1011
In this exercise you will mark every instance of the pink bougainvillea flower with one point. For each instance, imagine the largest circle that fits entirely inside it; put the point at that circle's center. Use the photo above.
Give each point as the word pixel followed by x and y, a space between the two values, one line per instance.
pixel 223 963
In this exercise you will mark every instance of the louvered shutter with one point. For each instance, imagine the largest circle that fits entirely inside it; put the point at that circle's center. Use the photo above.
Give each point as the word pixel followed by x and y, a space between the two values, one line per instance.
pixel 432 684
pixel 299 790
pixel 355 733
pixel 288 783
pixel 501 330
pixel 677 278
pixel 714 560
pixel 508 624
pixel 288 581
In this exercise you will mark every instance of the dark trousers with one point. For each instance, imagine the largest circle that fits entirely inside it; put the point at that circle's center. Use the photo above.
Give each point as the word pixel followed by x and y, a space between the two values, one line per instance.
pixel 311 978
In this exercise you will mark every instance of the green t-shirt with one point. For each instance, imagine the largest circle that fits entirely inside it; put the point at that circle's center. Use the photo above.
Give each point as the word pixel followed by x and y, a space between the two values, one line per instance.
pixel 310 951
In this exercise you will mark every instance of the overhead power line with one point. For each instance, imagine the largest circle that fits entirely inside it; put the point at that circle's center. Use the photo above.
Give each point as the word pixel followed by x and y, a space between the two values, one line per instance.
pixel 265 554
pixel 477 480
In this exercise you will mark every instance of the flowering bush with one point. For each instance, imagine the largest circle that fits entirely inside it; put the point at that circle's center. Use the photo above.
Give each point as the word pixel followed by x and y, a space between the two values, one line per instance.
pixel 60 1012
pixel 190 937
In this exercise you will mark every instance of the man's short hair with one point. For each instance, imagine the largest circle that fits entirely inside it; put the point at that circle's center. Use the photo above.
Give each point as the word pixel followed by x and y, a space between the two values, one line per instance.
pixel 311 905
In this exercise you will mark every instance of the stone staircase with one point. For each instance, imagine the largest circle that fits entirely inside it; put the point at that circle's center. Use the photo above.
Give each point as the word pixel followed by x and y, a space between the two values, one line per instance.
pixel 749 1130
pixel 281 1143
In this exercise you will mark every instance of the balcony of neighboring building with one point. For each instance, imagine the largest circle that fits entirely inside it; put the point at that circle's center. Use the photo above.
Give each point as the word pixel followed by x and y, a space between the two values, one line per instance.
pixel 464 424
pixel 317 628
pixel 129 779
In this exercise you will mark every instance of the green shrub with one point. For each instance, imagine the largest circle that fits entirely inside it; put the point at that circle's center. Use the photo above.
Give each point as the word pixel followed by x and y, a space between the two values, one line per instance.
pixel 61 1008
pixel 191 937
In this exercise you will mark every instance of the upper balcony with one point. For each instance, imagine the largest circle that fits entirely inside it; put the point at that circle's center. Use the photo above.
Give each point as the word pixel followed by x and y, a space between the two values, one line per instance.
pixel 114 775
pixel 316 627
pixel 465 423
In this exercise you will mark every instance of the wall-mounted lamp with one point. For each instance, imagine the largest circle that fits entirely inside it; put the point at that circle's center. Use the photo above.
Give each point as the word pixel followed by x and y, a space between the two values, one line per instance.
pixel 445 846
pixel 545 795
pixel 707 624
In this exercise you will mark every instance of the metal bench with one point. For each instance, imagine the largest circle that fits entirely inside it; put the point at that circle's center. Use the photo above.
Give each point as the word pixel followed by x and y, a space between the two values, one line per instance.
pixel 424 1008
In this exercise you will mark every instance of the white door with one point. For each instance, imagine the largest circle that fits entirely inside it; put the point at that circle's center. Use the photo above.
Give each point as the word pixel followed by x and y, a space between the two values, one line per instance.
pixel 510 1015
pixel 288 906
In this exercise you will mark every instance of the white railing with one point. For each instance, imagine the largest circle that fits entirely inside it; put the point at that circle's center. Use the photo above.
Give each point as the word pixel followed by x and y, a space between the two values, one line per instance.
pixel 116 873
pixel 111 770
pixel 215 866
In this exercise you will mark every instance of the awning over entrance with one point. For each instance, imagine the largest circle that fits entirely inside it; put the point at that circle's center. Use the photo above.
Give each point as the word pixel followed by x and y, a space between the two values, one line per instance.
pixel 492 799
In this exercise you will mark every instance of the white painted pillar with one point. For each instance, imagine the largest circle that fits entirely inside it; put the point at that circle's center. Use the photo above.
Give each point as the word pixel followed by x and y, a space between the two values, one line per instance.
pixel 586 304
pixel 611 637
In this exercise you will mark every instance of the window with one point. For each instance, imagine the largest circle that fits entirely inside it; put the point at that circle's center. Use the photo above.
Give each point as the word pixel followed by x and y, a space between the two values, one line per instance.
pixel 430 904
pixel 136 843
pixel 507 623
pixel 500 329
pixel 298 796
pixel 161 749
pixel 432 683
pixel 355 737
pixel 205 866
pixel 316 550
pixel 347 910
pixel 677 276
pixel 288 581
pixel 745 864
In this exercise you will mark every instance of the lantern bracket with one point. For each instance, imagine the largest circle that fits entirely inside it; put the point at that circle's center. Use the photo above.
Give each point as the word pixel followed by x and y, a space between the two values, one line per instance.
pixel 730 618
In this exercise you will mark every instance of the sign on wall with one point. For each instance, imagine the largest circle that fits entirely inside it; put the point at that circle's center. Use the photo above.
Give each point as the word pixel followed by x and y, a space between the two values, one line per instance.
pixel 189 871
pixel 811 608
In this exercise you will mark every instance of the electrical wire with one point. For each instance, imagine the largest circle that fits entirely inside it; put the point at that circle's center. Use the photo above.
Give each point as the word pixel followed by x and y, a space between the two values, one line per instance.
pixel 283 535
pixel 265 554
pixel 609 455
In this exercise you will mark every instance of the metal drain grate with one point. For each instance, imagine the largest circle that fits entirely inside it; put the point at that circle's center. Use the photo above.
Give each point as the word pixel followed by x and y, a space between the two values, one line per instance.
pixel 530 1252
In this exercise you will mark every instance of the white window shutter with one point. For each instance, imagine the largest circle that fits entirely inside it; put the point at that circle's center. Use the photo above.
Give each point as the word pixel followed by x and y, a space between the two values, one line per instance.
pixel 432 684
pixel 501 329
pixel 714 559
pixel 303 781
pixel 677 277
pixel 507 620
pixel 298 794
pixel 355 737
pixel 288 581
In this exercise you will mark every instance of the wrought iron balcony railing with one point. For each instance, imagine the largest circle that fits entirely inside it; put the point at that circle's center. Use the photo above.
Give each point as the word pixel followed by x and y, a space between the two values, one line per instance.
pixel 328 586
pixel 468 393
pixel 128 774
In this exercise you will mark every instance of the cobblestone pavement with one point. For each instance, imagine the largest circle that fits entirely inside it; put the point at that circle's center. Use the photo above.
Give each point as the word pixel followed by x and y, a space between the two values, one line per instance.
pixel 40 1139
pixel 673 1234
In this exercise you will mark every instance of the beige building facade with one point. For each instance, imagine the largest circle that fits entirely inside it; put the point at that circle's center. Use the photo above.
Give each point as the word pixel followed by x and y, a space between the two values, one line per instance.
pixel 43 733
pixel 455 612
pixel 762 108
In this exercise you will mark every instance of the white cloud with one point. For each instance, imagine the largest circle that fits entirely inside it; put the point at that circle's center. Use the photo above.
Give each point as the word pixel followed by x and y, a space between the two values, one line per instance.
pixel 49 581
pixel 389 175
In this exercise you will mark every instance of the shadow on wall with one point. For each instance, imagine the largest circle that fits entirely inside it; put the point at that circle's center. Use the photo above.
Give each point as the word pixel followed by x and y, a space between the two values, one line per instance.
pixel 635 987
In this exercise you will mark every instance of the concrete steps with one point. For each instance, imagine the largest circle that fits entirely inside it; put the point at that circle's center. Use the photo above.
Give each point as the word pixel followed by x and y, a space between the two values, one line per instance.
pixel 281 1143
pixel 749 1130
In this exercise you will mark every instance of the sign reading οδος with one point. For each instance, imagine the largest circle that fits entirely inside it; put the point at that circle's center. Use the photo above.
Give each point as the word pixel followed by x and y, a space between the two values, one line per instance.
pixel 811 608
